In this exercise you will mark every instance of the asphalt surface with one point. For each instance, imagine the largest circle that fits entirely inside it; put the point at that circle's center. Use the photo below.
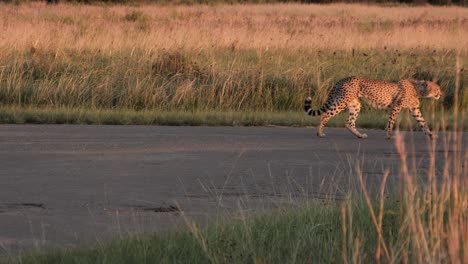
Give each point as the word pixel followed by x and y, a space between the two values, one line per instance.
pixel 72 185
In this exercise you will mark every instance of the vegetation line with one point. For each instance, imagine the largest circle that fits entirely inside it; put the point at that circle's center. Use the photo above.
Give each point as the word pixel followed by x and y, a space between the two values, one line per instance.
pixel 371 119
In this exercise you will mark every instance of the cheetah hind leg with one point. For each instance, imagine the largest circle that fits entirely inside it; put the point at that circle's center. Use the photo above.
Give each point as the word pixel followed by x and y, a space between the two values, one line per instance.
pixel 325 117
pixel 353 114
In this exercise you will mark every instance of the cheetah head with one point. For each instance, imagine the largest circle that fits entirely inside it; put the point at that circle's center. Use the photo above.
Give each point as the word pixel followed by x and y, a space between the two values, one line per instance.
pixel 428 89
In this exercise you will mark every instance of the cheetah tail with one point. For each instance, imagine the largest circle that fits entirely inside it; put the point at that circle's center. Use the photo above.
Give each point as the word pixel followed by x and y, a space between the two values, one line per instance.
pixel 309 110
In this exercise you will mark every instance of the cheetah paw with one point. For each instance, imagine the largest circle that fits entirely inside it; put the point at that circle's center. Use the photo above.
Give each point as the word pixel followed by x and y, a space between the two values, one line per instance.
pixel 321 135
pixel 363 136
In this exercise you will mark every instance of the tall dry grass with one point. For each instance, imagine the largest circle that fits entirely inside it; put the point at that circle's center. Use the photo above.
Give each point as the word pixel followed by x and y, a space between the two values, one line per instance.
pixel 258 27
pixel 218 58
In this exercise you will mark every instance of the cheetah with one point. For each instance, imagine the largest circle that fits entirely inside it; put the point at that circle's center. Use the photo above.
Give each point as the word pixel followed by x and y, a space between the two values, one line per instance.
pixel 349 92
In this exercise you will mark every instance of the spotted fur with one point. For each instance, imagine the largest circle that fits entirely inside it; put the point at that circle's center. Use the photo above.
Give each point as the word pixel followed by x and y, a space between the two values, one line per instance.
pixel 349 92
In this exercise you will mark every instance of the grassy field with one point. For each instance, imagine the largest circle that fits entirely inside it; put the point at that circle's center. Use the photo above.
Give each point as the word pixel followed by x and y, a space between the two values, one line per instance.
pixel 222 58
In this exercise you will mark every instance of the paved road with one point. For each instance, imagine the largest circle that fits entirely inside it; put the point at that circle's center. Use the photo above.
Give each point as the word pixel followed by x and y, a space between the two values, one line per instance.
pixel 66 185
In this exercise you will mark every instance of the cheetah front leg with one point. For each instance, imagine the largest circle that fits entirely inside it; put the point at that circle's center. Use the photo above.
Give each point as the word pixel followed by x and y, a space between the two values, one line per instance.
pixel 391 120
pixel 418 116
pixel 354 110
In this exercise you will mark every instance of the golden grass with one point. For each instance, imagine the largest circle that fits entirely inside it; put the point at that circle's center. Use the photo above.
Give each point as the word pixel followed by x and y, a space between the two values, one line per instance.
pixel 222 57
pixel 259 27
